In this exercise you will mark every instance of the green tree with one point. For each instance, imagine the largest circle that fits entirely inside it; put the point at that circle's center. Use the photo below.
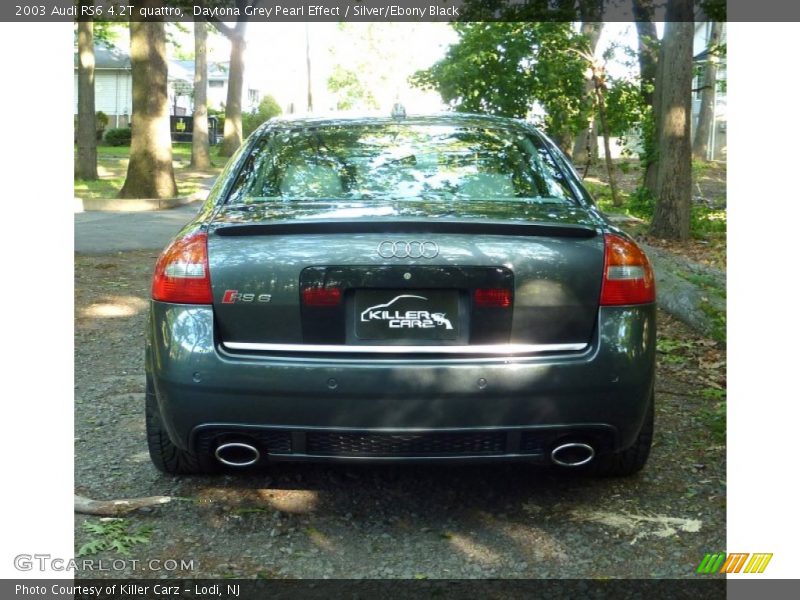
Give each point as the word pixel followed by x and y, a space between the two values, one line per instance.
pixel 267 108
pixel 349 90
pixel 509 68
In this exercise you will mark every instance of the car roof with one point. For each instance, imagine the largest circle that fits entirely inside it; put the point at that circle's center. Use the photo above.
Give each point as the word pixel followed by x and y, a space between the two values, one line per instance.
pixel 445 118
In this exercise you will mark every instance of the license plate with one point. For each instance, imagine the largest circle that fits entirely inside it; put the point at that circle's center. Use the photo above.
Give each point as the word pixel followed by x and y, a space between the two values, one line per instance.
pixel 406 315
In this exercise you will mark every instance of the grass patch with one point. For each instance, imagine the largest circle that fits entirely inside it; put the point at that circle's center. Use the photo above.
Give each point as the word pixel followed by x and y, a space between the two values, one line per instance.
pixel 709 222
pixel 715 417
pixel 180 151
pixel 249 510
pixel 707 282
pixel 718 320
pixel 708 218
pixel 674 351
pixel 106 187
pixel 112 167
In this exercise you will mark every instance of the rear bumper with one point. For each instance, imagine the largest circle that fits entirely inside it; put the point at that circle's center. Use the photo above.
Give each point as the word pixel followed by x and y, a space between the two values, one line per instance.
pixel 433 408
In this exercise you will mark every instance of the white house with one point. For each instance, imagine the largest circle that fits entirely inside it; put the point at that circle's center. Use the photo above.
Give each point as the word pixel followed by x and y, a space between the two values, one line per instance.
pixel 112 84
pixel 718 139
pixel 113 89
pixel 217 93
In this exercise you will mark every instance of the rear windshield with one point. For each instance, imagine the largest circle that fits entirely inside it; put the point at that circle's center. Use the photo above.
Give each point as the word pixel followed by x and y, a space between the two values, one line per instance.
pixel 398 161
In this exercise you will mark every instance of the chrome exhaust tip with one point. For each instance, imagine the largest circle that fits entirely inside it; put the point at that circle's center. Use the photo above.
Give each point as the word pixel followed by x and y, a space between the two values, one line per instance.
pixel 573 454
pixel 237 454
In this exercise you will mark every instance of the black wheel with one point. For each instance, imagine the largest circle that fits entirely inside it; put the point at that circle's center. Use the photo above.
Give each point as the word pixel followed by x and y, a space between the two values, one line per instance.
pixel 166 456
pixel 631 460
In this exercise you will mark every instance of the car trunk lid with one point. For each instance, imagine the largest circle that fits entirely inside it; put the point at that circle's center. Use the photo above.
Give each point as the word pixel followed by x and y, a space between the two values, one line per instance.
pixel 408 274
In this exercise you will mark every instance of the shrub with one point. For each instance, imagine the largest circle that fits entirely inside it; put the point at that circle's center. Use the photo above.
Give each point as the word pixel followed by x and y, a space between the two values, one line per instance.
pixel 641 204
pixel 267 108
pixel 220 115
pixel 709 222
pixel 100 123
pixel 120 136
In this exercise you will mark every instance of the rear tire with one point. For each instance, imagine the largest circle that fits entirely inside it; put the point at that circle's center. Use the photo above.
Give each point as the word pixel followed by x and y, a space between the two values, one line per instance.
pixel 631 460
pixel 166 456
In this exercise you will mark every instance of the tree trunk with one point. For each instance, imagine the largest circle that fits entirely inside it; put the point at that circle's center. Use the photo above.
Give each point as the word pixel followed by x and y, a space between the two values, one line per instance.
pixel 699 305
pixel 648 70
pixel 601 112
pixel 705 120
pixel 233 104
pixel 565 141
pixel 86 167
pixel 150 173
pixel 116 508
pixel 648 47
pixel 585 150
pixel 652 144
pixel 200 151
pixel 672 215
pixel 586 140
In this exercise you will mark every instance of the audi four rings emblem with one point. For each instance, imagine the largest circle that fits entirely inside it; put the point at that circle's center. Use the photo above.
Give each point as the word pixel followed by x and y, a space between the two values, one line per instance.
pixel 412 249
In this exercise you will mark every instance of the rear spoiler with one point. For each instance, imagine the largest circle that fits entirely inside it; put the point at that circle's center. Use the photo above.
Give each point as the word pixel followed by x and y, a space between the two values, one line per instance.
pixel 405 226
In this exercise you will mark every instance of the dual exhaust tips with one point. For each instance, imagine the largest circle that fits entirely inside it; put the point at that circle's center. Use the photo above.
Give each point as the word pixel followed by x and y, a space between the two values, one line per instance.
pixel 241 454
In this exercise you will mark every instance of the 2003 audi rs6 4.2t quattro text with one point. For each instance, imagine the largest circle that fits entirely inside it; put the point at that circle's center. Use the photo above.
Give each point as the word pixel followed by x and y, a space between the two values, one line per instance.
pixel 403 289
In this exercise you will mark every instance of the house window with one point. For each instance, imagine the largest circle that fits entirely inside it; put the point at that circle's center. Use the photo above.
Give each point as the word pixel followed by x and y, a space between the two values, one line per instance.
pixel 216 83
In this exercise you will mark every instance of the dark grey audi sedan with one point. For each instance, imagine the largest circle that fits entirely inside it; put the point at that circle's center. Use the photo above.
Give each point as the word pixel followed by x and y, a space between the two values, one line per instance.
pixel 423 289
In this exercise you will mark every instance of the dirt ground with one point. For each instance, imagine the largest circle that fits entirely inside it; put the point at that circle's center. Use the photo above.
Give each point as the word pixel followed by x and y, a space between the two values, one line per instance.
pixel 311 521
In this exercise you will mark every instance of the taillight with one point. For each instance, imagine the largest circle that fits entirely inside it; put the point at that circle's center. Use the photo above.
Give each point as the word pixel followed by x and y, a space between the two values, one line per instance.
pixel 492 298
pixel 181 274
pixel 322 296
pixel 627 274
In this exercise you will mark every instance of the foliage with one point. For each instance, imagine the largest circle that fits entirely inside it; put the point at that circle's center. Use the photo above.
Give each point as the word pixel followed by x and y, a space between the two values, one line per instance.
pixel 118 136
pixel 267 108
pixel 509 69
pixel 220 115
pixel 716 10
pixel 642 204
pixel 350 91
pixel 715 416
pixel 674 351
pixel 708 222
pixel 649 149
pixel 625 106
pixel 113 534
pixel 100 123
pixel 718 320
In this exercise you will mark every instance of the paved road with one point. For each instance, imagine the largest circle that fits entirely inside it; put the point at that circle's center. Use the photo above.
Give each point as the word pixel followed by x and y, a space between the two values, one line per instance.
pixel 101 232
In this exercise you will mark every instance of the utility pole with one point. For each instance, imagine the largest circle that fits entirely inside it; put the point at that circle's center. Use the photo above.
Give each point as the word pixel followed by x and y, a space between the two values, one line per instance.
pixel 308 71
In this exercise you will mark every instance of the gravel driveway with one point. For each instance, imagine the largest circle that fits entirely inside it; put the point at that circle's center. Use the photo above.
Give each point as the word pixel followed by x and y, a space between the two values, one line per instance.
pixel 312 521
